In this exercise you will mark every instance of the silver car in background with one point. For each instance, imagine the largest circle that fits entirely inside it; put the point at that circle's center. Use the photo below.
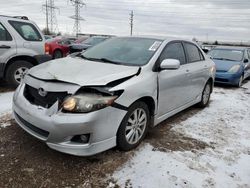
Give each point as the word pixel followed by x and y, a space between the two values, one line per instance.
pixel 111 94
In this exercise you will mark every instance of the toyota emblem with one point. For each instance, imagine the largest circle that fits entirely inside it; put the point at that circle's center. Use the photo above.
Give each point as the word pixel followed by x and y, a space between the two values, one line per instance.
pixel 42 92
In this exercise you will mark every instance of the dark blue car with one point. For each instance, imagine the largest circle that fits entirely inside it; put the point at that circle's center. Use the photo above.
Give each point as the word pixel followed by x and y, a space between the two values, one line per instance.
pixel 232 64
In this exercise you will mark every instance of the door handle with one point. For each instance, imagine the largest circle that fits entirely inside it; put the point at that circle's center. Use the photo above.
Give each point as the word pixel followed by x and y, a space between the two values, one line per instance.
pixel 5 47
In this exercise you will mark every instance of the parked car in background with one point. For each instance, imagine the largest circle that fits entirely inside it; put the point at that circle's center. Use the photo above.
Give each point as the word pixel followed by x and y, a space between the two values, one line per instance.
pixel 90 42
pixel 59 47
pixel 81 39
pixel 232 64
pixel 48 37
pixel 22 46
pixel 113 93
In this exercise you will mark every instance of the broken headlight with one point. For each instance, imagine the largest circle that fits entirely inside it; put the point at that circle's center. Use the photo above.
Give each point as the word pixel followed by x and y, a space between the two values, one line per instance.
pixel 89 102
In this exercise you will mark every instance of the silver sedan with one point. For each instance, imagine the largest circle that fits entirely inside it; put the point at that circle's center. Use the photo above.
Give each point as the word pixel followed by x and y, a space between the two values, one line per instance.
pixel 112 93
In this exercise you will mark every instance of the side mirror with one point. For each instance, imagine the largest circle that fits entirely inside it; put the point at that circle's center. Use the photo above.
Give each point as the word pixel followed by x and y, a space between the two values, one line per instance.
pixel 170 64
pixel 246 61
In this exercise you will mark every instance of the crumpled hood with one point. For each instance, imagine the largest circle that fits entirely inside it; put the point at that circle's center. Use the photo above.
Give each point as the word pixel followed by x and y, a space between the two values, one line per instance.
pixel 82 72
pixel 223 65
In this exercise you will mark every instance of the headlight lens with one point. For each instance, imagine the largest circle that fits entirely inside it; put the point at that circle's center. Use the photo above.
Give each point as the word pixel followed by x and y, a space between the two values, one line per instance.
pixel 234 69
pixel 84 103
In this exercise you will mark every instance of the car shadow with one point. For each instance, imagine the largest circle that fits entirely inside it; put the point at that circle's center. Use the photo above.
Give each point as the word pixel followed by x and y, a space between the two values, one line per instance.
pixel 227 86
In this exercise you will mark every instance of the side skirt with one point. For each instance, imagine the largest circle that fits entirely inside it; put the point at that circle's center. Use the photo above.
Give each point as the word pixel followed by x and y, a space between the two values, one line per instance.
pixel 173 112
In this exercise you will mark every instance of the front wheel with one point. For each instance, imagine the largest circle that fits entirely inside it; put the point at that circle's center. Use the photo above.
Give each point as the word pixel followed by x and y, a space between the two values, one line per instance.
pixel 205 95
pixel 134 127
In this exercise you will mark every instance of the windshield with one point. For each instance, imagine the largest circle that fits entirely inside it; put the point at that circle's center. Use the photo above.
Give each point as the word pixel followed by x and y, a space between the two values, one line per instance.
pixel 124 50
pixel 226 54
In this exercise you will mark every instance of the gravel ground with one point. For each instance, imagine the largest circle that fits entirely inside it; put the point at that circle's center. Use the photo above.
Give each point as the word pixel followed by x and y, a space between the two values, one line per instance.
pixel 27 162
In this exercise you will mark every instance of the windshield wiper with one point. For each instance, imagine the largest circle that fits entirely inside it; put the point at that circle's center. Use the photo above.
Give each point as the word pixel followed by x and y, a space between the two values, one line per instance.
pixel 101 59
pixel 109 61
pixel 89 58
pixel 224 59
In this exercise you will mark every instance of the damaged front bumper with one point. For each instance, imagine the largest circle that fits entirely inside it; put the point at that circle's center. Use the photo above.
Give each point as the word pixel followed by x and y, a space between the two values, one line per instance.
pixel 58 129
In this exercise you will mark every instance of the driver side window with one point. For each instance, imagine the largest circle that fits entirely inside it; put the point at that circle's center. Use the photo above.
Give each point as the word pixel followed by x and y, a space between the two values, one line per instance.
pixel 174 51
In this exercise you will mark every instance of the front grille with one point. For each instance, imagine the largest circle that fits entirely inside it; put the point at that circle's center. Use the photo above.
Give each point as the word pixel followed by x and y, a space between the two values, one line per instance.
pixel 33 96
pixel 35 129
pixel 221 80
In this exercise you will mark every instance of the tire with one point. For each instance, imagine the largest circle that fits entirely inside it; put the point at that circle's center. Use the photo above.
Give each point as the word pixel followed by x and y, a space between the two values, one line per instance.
pixel 127 132
pixel 206 93
pixel 240 81
pixel 57 54
pixel 16 72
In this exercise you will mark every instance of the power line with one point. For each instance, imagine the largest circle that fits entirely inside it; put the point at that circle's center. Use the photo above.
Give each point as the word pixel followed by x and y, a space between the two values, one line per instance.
pixel 77 17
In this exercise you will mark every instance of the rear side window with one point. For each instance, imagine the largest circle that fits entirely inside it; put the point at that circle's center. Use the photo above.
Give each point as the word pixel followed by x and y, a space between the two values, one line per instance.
pixel 193 53
pixel 27 30
pixel 4 34
pixel 174 51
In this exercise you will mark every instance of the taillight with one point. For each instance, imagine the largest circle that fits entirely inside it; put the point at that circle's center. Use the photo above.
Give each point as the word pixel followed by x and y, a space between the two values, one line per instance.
pixel 46 48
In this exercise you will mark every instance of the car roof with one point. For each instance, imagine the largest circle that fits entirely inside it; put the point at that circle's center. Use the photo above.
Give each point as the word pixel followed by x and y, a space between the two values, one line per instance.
pixel 163 38
pixel 15 18
pixel 231 47
pixel 102 37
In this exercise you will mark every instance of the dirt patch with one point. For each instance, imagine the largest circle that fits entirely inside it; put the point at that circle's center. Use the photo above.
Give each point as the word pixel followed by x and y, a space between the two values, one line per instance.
pixel 4 87
pixel 163 138
pixel 27 162
pixel 5 120
pixel 174 141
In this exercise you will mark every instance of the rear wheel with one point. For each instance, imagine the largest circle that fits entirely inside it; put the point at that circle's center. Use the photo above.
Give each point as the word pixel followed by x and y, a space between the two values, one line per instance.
pixel 206 95
pixel 134 127
pixel 16 72
pixel 57 54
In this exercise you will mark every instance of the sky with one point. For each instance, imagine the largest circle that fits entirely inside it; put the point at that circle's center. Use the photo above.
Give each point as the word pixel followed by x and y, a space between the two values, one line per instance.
pixel 222 20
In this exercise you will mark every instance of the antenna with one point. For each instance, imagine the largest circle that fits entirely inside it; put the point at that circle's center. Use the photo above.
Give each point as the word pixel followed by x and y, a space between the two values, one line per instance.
pixel 77 17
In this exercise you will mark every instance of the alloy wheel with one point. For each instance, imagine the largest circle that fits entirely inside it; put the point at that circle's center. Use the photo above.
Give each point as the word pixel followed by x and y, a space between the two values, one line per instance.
pixel 20 73
pixel 136 126
pixel 206 94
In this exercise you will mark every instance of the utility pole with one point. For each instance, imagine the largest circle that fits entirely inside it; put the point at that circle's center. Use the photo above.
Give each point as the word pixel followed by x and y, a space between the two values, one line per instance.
pixel 131 22
pixel 77 17
pixel 50 16
pixel 47 17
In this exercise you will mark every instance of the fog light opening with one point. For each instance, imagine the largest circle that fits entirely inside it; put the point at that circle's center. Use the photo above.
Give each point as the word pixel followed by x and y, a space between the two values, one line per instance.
pixel 83 139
